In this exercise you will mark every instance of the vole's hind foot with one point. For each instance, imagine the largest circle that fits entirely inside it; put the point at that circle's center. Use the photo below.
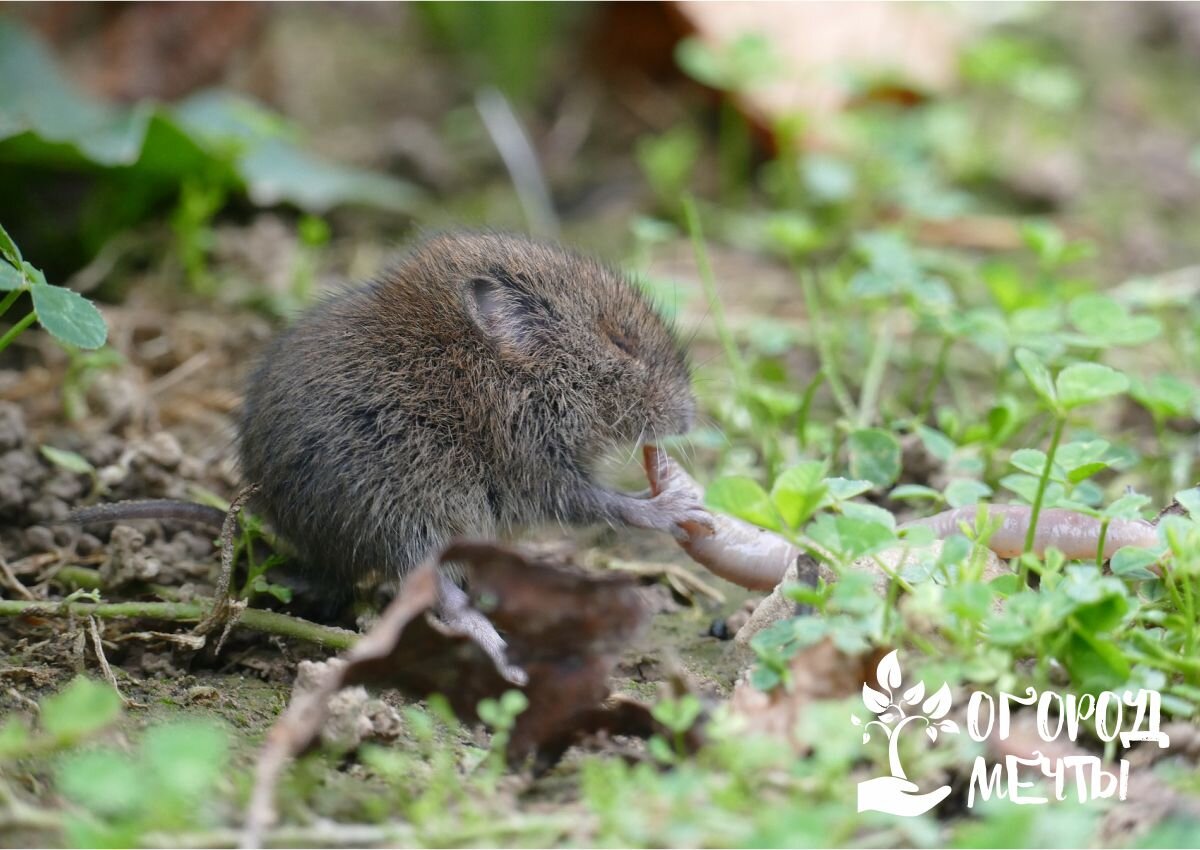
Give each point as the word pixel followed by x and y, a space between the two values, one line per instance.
pixel 455 612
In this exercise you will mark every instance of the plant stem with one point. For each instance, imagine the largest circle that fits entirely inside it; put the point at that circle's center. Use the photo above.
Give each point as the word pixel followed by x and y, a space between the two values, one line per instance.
pixel 1060 422
pixel 9 299
pixel 939 369
pixel 268 622
pixel 810 392
pixel 868 397
pixel 1161 657
pixel 710 292
pixel 764 436
pixel 16 329
pixel 824 354
pixel 1100 542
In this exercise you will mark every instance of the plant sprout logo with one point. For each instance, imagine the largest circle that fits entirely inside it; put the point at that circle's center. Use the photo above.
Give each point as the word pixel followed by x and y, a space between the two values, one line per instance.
pixel 897 794
pixel 1060 772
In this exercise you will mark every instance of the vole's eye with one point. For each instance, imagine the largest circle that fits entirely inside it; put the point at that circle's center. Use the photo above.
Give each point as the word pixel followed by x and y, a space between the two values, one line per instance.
pixel 622 342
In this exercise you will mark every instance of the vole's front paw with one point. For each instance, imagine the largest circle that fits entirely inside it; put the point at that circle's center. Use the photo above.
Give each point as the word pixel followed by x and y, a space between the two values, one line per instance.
pixel 670 511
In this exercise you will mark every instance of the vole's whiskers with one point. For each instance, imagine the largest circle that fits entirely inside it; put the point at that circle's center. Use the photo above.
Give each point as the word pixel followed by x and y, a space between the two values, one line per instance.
pixel 636 445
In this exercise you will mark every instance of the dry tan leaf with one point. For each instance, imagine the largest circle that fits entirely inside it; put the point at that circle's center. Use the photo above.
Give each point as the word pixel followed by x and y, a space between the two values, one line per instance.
pixel 820 43
pixel 564 628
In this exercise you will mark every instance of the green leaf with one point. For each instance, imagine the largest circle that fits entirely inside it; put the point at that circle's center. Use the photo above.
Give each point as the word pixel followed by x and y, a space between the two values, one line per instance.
pixel 1026 487
pixel 936 443
pixel 1029 460
pixel 1108 323
pixel 869 513
pixel 792 234
pixel 1081 453
pixel 1165 395
pixel 68 316
pixel 1079 473
pixel 963 492
pixel 45 119
pixel 70 461
pixel 970 600
pixel 1128 506
pixel 1133 562
pixel 186 759
pixel 843 489
pixel 1037 374
pixel 33 275
pixel 276 172
pixel 81 708
pixel 798 491
pixel 742 497
pixel 915 491
pixel 105 782
pixel 9 249
pixel 1001 420
pixel 875 456
pixel 955 550
pixel 1084 383
pixel 10 278
pixel 37 99
pixel 279 591
pixel 828 179
pixel 1190 500
pixel 850 537
pixel 14 738
pixel 1095 663
pixel 778 404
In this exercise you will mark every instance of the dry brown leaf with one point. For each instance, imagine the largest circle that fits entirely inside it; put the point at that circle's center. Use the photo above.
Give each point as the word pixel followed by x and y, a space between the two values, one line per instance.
pixel 564 628
pixel 820 43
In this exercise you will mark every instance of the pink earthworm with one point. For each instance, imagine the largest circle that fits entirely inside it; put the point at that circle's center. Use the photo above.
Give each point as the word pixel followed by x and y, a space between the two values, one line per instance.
pixel 1076 535
pixel 756 558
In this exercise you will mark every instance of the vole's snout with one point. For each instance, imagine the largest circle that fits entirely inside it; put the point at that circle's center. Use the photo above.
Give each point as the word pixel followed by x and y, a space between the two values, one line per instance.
pixel 679 415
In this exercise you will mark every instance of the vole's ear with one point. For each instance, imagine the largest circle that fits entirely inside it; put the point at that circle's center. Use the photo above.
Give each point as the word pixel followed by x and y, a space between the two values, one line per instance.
pixel 506 315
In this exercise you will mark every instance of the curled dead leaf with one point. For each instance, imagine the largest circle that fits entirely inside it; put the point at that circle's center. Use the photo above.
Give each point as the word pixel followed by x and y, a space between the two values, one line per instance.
pixel 564 628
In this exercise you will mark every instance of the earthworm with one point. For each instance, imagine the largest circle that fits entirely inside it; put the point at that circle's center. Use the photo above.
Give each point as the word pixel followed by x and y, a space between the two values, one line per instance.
pixel 1076 535
pixel 756 559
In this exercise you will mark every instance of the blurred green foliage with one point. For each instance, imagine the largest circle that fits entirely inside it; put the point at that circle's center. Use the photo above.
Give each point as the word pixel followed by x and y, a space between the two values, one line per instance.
pixel 131 160
pixel 506 45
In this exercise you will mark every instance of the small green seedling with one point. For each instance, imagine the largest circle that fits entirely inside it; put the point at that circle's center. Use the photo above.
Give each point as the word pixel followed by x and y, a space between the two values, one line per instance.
pixel 501 716
pixel 677 716
pixel 66 315
pixel 75 714
pixel 73 462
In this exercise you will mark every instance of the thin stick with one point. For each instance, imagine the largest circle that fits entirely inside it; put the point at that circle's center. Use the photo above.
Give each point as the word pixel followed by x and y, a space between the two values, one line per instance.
pixel 519 159
pixel 222 612
pixel 98 647
pixel 12 582
pixel 255 619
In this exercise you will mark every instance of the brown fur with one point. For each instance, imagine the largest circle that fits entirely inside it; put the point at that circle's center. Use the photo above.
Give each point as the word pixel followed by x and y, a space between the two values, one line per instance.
pixel 468 391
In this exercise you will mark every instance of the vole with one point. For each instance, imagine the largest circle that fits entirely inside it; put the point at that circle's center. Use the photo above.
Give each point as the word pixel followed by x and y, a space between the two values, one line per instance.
pixel 468 391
